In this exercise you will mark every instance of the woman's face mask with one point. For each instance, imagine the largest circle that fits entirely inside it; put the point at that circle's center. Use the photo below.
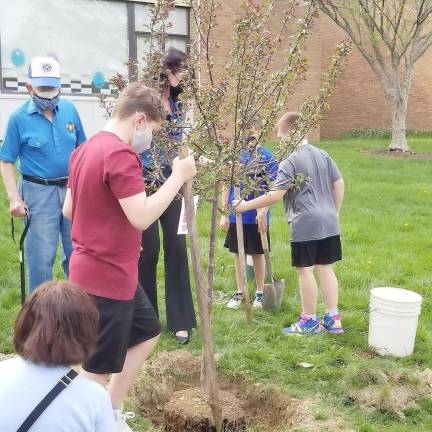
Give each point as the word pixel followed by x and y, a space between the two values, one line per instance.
pixel 47 99
pixel 142 139
pixel 175 91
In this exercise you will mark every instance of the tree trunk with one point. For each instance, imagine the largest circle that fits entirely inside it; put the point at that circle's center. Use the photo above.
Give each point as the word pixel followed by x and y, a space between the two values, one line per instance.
pixel 212 243
pixel 209 384
pixel 213 229
pixel 399 111
pixel 242 260
pixel 210 268
pixel 399 104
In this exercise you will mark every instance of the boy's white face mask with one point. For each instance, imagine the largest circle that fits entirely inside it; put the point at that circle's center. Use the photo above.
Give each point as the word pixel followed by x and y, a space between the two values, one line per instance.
pixel 142 139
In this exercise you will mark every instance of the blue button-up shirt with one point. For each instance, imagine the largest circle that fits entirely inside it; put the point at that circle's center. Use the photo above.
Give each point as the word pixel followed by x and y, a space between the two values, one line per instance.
pixel 42 148
pixel 175 131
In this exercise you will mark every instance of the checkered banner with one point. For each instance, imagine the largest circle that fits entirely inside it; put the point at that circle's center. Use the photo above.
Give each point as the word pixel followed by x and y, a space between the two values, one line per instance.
pixel 68 86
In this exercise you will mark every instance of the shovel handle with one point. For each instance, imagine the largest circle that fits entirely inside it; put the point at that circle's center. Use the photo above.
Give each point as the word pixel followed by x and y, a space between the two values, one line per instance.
pixel 264 241
pixel 183 152
pixel 265 246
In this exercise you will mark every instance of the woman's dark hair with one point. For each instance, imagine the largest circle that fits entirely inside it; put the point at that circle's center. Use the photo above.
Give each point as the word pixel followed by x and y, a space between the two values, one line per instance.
pixel 174 60
pixel 57 325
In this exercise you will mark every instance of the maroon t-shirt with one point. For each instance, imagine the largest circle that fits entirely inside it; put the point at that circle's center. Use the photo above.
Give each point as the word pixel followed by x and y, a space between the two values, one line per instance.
pixel 106 246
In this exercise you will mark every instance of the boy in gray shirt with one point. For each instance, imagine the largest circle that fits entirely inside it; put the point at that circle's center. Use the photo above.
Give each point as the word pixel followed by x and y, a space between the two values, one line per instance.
pixel 313 214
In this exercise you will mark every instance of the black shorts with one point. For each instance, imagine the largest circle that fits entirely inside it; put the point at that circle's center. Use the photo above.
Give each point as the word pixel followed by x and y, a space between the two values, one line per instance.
pixel 122 325
pixel 251 237
pixel 320 252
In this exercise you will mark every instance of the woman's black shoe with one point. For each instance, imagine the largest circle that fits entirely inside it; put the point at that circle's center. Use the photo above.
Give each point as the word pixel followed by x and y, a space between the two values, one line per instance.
pixel 182 340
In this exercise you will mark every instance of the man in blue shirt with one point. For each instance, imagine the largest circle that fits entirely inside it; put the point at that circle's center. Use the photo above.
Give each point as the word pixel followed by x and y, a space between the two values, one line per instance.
pixel 41 134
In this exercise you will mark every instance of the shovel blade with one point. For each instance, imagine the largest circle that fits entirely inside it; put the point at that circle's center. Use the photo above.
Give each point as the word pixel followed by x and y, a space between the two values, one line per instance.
pixel 273 295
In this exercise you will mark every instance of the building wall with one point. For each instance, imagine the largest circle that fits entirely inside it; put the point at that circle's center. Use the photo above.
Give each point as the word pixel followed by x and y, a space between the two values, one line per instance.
pixel 93 41
pixel 359 102
pixel 227 15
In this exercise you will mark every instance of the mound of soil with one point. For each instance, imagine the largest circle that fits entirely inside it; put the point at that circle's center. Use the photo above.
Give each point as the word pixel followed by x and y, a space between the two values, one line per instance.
pixel 168 393
pixel 396 395
pixel 399 154
pixel 189 411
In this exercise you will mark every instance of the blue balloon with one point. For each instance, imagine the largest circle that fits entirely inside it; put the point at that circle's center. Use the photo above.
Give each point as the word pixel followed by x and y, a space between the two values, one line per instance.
pixel 18 57
pixel 99 80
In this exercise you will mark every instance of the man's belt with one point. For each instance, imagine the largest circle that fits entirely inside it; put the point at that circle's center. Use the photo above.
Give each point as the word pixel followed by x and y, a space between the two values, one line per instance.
pixel 61 181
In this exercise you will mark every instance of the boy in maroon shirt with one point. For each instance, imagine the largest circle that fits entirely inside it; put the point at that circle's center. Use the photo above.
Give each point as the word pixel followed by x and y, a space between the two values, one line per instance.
pixel 108 206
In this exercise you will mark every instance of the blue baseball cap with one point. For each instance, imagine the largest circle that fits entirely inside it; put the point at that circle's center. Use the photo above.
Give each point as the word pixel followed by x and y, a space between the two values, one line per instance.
pixel 44 72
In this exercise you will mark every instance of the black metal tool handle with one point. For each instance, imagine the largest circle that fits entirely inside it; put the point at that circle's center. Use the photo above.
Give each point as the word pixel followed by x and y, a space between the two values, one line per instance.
pixel 21 255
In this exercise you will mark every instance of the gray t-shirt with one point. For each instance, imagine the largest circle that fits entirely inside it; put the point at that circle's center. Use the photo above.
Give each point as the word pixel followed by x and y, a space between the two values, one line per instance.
pixel 310 210
pixel 84 406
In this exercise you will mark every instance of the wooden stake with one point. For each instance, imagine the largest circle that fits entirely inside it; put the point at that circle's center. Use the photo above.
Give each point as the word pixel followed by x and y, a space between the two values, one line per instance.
pixel 242 261
pixel 209 384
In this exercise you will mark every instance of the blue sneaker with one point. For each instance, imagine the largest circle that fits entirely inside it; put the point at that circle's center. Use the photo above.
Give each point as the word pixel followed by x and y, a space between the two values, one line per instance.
pixel 332 324
pixel 304 326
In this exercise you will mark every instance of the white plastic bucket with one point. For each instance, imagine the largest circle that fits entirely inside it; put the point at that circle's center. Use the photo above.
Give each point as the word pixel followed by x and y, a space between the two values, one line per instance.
pixel 393 321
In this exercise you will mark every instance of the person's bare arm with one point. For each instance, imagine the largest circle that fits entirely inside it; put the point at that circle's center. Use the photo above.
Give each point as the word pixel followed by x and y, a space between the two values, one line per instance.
pixel 142 210
pixel 263 201
pixel 262 219
pixel 17 206
pixel 339 191
pixel 67 206
pixel 224 222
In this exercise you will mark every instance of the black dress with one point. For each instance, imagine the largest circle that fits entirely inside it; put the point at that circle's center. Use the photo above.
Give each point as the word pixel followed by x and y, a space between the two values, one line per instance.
pixel 180 311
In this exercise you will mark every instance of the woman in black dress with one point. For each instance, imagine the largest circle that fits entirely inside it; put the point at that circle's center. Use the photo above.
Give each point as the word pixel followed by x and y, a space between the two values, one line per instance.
pixel 178 296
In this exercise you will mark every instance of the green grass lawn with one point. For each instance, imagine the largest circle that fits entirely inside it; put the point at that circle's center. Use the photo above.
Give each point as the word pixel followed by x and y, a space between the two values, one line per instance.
pixel 387 241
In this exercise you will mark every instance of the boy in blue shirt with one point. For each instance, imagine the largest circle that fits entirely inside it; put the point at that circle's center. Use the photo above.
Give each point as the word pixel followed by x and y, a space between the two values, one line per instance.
pixel 263 169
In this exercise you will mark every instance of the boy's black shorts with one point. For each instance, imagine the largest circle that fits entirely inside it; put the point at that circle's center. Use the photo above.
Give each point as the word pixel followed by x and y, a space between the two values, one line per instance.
pixel 251 236
pixel 122 325
pixel 320 252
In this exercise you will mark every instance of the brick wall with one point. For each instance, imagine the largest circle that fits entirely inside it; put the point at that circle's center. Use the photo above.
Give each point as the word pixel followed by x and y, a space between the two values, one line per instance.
pixel 224 32
pixel 358 101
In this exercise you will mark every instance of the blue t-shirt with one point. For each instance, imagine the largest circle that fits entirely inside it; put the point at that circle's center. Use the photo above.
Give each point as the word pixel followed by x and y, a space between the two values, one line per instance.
pixel 268 171
pixel 84 406
pixel 42 148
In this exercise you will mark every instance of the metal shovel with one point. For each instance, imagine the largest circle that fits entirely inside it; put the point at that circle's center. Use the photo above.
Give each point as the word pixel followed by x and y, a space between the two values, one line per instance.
pixel 274 291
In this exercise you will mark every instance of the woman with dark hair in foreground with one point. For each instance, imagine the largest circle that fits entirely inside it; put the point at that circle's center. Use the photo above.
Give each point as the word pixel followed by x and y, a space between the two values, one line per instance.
pixel 56 328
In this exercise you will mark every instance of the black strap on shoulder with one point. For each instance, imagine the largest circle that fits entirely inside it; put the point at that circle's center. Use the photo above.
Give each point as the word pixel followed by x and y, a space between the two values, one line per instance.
pixel 64 382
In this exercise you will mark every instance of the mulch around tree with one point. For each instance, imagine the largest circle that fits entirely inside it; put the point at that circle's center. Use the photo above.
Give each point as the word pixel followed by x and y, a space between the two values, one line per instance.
pixel 398 154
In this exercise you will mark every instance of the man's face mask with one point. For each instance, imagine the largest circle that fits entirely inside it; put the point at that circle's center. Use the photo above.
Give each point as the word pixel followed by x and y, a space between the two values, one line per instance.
pixel 142 139
pixel 46 99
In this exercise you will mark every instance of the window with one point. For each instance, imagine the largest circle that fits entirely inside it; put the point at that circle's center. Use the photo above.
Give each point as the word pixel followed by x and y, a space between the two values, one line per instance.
pixel 178 32
pixel 91 39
